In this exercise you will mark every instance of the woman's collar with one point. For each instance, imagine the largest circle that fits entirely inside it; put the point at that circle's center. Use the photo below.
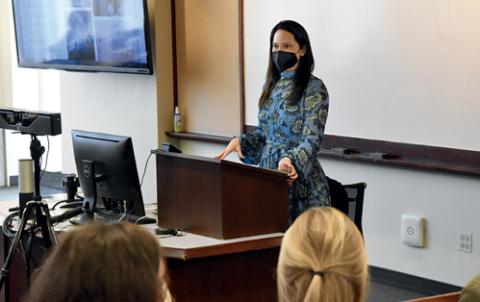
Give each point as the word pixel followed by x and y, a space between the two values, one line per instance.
pixel 289 74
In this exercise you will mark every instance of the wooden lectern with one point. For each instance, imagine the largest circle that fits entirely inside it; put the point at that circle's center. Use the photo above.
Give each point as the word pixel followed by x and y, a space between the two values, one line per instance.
pixel 218 198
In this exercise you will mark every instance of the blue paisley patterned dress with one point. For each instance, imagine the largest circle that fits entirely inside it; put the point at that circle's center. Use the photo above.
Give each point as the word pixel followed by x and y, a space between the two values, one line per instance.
pixel 293 131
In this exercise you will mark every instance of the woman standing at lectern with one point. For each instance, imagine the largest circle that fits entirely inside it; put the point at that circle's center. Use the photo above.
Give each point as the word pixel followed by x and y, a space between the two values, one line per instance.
pixel 293 110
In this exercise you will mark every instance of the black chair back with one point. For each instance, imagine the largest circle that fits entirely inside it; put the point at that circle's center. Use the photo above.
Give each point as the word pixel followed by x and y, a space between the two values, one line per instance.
pixel 348 199
pixel 355 194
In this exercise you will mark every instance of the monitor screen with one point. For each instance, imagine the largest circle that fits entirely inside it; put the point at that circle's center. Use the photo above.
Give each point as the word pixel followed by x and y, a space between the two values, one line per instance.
pixel 83 35
pixel 108 175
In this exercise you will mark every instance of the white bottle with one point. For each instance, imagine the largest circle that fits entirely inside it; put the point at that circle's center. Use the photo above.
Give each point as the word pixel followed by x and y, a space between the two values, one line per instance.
pixel 177 121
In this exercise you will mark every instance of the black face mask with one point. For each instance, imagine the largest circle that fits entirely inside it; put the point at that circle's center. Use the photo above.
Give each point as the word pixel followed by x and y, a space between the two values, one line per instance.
pixel 284 60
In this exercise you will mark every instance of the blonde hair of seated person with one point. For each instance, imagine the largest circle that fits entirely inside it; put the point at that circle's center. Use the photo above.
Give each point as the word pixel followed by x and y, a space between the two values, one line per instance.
pixel 471 292
pixel 322 258
pixel 102 262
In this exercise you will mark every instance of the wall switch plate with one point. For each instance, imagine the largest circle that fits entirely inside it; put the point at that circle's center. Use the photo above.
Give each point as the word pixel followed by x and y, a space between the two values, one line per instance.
pixel 465 242
pixel 413 230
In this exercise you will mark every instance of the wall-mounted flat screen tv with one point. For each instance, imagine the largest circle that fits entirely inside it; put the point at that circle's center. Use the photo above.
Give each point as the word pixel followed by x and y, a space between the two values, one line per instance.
pixel 83 35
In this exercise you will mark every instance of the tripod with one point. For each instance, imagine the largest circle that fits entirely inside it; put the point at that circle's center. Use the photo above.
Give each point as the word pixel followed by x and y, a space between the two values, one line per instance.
pixel 36 152
pixel 39 210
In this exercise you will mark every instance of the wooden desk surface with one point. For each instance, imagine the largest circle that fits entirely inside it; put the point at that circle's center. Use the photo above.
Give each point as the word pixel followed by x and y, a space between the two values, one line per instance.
pixel 189 246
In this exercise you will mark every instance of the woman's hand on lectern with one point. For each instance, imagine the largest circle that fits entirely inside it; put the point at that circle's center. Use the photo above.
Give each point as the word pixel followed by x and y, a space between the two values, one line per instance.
pixel 285 165
pixel 234 145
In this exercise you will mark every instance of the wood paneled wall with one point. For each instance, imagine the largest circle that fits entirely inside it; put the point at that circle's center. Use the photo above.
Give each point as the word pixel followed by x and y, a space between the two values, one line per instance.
pixel 208 57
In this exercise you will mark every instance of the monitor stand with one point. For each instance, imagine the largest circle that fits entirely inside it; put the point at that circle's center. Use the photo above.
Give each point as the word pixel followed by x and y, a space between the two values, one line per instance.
pixel 85 217
pixel 90 192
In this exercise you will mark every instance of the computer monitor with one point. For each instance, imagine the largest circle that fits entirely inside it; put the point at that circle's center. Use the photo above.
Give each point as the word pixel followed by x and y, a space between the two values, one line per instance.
pixel 108 176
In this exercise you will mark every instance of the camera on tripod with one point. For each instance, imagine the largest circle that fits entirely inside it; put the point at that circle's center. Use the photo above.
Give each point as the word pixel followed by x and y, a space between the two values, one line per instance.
pixel 33 123
pixel 30 122
pixel 33 213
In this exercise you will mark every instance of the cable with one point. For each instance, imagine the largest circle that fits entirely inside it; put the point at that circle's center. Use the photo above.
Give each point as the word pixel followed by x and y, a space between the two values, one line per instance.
pixel 79 197
pixel 70 202
pixel 145 169
pixel 125 212
pixel 169 231
pixel 136 199
pixel 46 157
pixel 7 227
pixel 59 202
pixel 141 218
pixel 66 215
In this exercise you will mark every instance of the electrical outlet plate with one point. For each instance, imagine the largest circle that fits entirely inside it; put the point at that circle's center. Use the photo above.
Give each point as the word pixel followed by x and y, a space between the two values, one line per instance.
pixel 465 242
pixel 413 230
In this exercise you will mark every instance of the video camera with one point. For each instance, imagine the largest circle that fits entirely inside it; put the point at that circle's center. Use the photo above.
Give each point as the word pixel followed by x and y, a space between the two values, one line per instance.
pixel 30 122
pixel 33 123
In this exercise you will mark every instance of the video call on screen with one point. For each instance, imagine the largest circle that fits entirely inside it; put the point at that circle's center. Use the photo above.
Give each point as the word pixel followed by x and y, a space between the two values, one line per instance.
pixel 107 32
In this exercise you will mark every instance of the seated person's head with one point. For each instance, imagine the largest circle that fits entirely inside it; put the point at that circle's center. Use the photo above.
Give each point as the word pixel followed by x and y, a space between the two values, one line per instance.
pixel 471 292
pixel 102 262
pixel 322 258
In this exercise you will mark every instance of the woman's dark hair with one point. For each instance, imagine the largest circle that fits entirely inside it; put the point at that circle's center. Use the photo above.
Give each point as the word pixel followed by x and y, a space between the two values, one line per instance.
pixel 101 262
pixel 305 66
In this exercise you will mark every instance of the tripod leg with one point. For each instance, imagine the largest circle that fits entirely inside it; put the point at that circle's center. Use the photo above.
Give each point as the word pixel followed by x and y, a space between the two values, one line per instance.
pixel 11 252
pixel 45 222
pixel 28 256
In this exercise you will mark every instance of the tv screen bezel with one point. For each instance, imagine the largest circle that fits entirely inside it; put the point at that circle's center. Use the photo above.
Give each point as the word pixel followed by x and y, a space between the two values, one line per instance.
pixel 97 67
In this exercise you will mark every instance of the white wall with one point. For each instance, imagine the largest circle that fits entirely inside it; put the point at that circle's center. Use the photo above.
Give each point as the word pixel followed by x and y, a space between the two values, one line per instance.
pixel 450 203
pixel 398 70
pixel 34 90
pixel 121 104
pixel 5 54
pixel 5 79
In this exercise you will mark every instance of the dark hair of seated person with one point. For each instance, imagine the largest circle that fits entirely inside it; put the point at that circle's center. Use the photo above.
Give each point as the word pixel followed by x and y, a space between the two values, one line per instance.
pixel 102 262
